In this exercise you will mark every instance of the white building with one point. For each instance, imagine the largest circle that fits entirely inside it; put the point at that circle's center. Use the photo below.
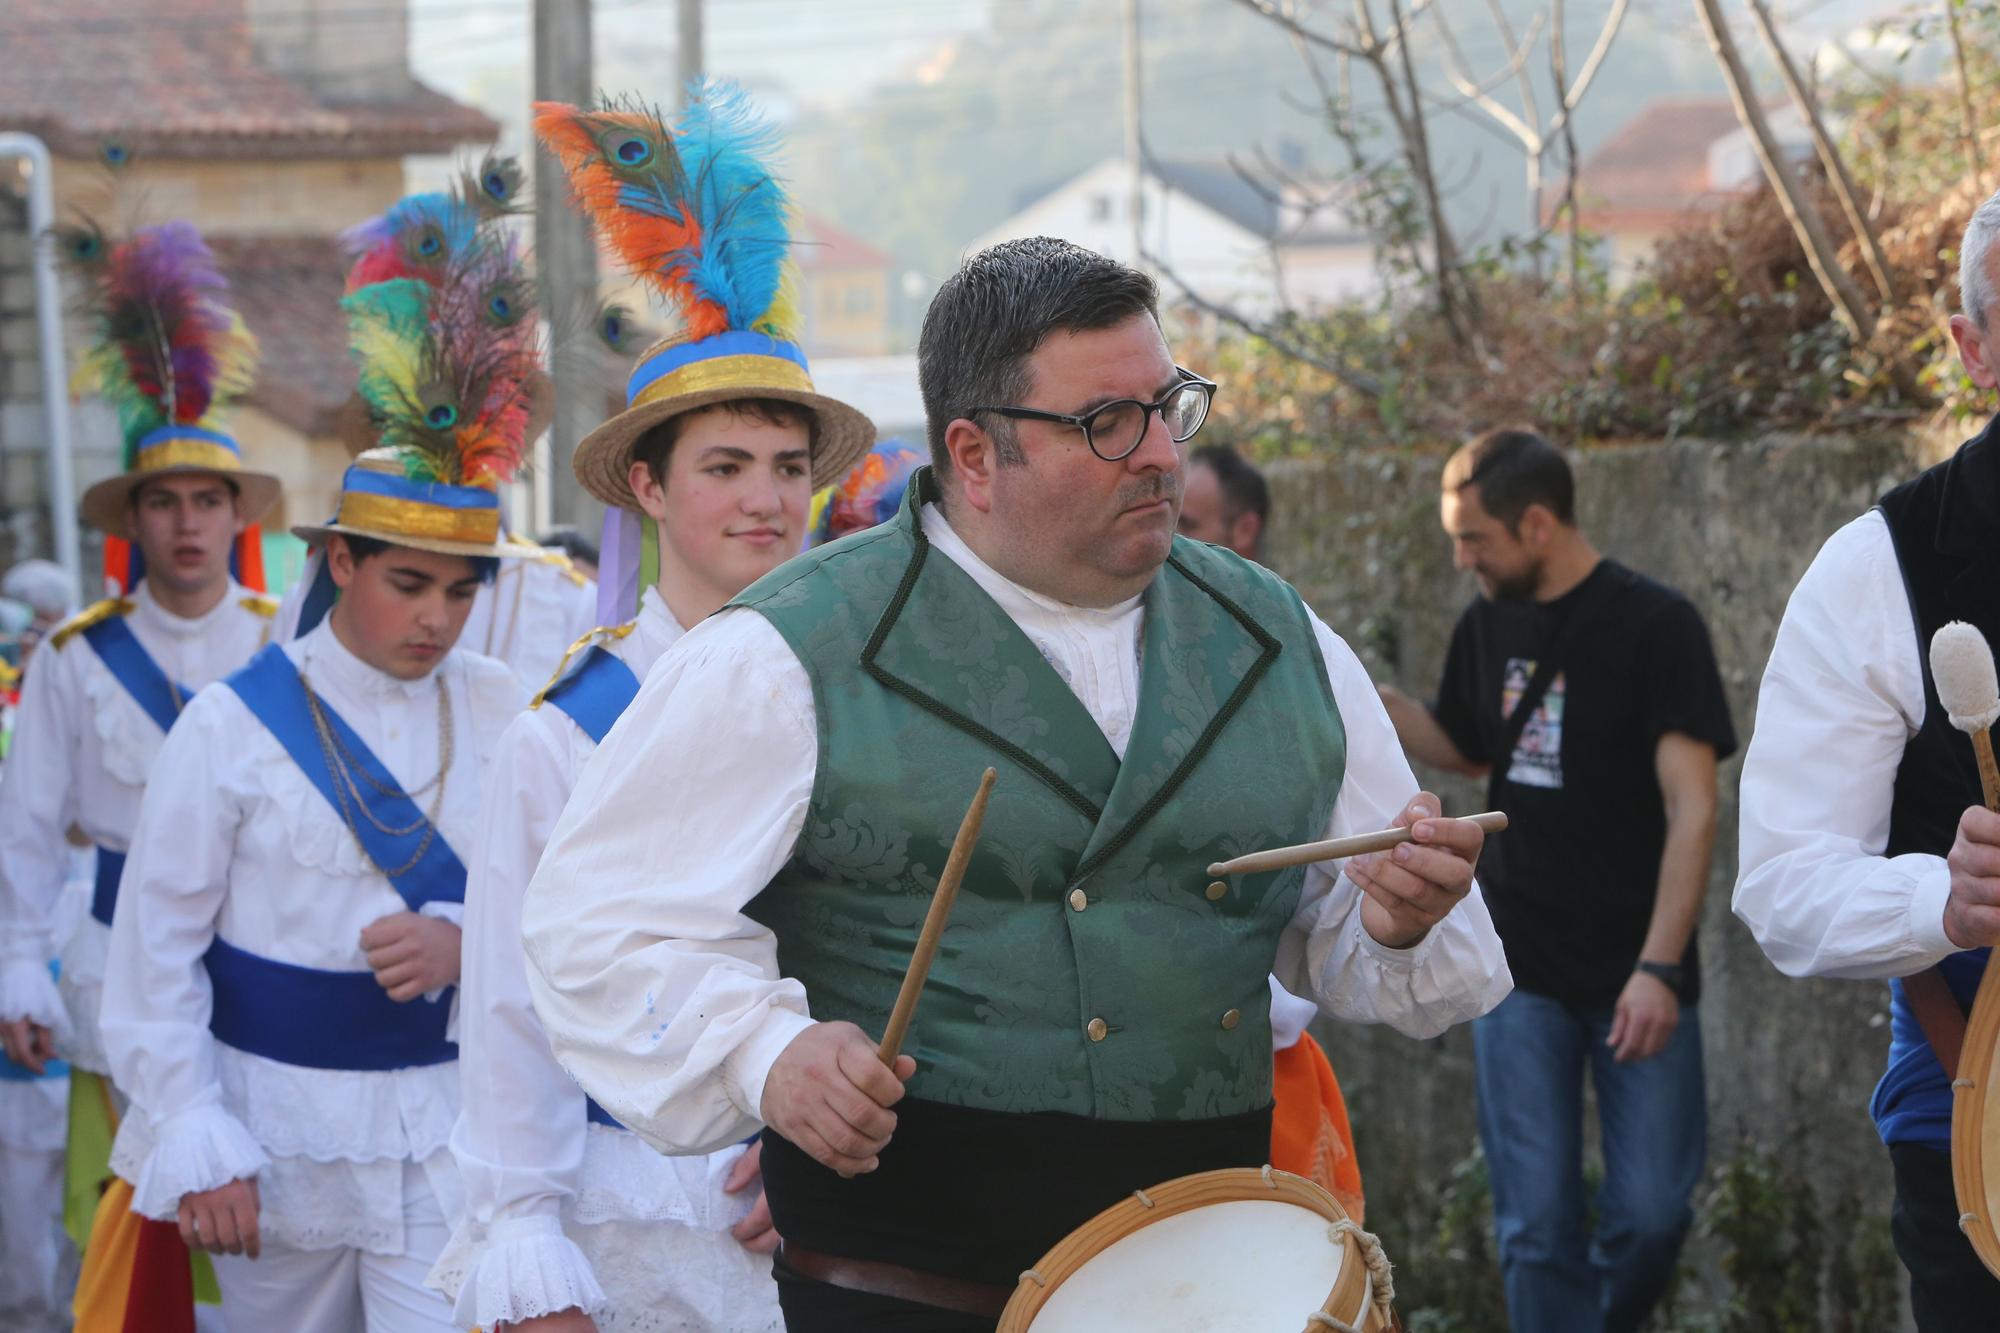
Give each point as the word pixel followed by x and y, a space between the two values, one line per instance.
pixel 1206 226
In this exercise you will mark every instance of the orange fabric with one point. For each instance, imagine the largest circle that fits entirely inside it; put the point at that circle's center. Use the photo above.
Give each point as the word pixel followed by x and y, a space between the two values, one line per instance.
pixel 1310 1135
pixel 105 1286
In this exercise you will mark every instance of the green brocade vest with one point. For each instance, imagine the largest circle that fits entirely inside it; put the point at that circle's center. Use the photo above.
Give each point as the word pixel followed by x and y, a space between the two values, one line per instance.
pixel 1090 965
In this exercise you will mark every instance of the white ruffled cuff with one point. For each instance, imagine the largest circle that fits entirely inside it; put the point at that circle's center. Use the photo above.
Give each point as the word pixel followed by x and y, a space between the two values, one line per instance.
pixel 528 1268
pixel 201 1148
pixel 27 990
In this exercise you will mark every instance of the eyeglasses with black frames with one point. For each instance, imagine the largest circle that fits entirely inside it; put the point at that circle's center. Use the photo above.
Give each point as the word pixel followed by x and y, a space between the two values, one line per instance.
pixel 1117 428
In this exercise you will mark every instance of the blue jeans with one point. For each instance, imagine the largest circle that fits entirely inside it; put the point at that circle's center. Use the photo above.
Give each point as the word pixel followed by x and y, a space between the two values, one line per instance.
pixel 1531 1053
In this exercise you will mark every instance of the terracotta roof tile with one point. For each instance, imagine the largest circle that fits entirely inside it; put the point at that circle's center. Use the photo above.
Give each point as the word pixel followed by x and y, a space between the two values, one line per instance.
pixel 819 245
pixel 179 78
pixel 1655 168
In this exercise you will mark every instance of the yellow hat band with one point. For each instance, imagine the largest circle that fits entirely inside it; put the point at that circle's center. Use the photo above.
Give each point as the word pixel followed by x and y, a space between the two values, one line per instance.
pixel 390 517
pixel 747 373
pixel 186 451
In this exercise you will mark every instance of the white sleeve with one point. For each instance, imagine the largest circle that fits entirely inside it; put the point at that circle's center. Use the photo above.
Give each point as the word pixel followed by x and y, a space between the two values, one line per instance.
pixel 157 999
pixel 37 806
pixel 1456 972
pixel 658 993
pixel 521 1128
pixel 1841 697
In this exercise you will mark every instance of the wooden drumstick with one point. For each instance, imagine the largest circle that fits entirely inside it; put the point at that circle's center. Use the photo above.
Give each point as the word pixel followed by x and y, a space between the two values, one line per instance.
pixel 1962 667
pixel 927 942
pixel 1334 849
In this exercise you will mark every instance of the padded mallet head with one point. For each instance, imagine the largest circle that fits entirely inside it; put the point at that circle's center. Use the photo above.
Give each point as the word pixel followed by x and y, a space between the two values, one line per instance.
pixel 1962 665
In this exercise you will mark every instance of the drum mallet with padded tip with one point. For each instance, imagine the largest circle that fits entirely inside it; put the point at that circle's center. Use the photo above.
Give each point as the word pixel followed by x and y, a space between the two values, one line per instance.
pixel 1962 666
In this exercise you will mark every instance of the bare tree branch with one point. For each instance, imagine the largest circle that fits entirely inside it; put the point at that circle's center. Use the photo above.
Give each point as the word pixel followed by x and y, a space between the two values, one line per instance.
pixel 1613 22
pixel 1829 156
pixel 1848 305
pixel 1969 122
pixel 1361 383
pixel 1559 71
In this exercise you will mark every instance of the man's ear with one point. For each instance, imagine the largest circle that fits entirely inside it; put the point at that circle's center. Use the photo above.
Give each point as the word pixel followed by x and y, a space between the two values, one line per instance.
pixel 1245 532
pixel 646 487
pixel 339 561
pixel 974 459
pixel 1975 352
pixel 1537 527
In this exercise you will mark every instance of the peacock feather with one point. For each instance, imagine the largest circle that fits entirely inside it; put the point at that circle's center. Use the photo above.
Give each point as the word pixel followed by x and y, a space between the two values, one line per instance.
pixel 166 348
pixel 692 210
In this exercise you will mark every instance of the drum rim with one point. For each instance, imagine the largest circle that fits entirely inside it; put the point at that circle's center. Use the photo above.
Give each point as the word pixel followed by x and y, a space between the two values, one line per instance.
pixel 1971 1108
pixel 1235 1184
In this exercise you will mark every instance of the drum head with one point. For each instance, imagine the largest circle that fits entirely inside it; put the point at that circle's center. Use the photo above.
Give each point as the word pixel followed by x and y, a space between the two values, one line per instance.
pixel 1246 1251
pixel 1975 1125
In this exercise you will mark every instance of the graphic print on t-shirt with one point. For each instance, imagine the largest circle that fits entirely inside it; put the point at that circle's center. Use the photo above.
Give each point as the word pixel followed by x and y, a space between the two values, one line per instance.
pixel 1537 760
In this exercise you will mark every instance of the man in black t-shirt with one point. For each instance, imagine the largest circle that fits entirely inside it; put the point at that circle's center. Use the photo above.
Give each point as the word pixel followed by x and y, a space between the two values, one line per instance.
pixel 1608 777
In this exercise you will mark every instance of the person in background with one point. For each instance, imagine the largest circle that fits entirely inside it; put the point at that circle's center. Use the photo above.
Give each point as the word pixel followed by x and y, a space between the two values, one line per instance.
pixel 1227 501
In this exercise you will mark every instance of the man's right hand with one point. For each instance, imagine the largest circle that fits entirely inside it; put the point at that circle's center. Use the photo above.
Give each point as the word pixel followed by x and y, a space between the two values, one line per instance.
pixel 1972 913
pixel 222 1220
pixel 28 1044
pixel 829 1093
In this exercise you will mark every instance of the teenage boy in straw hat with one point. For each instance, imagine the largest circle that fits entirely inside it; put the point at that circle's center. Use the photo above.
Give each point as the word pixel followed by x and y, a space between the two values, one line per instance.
pixel 573 1223
pixel 281 970
pixel 113 680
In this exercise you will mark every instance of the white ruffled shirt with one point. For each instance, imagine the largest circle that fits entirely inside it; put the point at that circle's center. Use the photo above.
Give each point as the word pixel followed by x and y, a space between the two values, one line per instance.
pixel 528 1160
pixel 81 754
pixel 665 1000
pixel 242 845
pixel 1842 695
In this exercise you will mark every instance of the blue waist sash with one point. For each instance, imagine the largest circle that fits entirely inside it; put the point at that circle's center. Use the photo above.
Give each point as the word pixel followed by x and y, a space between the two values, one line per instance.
pixel 270 687
pixel 104 894
pixel 134 668
pixel 318 1019
pixel 597 693
pixel 1912 1103
pixel 597 1115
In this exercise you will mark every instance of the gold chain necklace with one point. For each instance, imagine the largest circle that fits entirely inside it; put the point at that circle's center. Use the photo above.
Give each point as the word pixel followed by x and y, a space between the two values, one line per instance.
pixel 349 796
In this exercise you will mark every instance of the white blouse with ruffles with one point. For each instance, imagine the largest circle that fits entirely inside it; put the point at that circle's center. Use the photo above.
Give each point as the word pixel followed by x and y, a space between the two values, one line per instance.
pixel 242 845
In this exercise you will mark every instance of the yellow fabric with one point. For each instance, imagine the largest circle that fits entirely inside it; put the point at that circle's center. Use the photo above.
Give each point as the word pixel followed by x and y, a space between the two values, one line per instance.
pixel 105 1286
pixel 747 372
pixel 260 606
pixel 95 613
pixel 391 518
pixel 204 454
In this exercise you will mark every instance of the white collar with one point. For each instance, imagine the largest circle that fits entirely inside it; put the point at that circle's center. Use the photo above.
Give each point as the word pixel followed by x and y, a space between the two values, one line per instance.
pixel 330 666
pixel 1014 599
pixel 148 608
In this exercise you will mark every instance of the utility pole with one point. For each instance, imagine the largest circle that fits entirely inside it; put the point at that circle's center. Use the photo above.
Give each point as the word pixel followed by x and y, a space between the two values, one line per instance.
pixel 566 258
pixel 689 45
pixel 1134 141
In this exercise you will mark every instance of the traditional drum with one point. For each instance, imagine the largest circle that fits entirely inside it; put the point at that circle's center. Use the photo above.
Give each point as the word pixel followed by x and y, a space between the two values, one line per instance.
pixel 1251 1251
pixel 1975 1125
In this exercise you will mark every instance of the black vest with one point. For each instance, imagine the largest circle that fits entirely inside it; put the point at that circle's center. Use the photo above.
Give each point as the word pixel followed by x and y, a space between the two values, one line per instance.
pixel 1946 529
pixel 1945 526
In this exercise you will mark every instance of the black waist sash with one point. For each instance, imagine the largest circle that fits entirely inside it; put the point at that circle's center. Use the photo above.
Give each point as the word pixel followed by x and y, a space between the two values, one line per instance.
pixel 981 1195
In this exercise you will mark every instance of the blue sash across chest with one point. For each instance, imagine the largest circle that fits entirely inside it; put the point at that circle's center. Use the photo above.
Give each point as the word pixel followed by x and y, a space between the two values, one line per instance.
pixel 313 1017
pixel 595 696
pixel 158 695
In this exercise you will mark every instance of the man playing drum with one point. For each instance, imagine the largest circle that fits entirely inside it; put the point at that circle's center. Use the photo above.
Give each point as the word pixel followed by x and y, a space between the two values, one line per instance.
pixel 1867 851
pixel 727 908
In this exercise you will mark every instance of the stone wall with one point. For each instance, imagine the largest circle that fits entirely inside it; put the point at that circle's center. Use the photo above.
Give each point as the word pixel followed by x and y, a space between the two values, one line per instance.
pixel 1790 1063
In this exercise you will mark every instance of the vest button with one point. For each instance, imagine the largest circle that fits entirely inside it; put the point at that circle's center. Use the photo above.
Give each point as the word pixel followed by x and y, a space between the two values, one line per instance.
pixel 1096 1028
pixel 1078 900
pixel 1231 1019
pixel 1216 890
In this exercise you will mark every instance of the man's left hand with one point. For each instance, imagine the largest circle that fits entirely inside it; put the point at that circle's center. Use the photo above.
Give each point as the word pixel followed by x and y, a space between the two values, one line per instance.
pixel 1644 1021
pixel 755 1232
pixel 412 954
pixel 1413 887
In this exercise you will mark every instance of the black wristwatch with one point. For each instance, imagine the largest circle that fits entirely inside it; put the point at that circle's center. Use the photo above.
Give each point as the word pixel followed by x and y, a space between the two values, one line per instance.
pixel 1673 974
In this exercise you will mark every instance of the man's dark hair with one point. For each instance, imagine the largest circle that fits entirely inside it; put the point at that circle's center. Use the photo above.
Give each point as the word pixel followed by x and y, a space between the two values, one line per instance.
pixel 571 543
pixel 1514 467
pixel 656 447
pixel 1244 489
pixel 364 548
pixel 990 316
